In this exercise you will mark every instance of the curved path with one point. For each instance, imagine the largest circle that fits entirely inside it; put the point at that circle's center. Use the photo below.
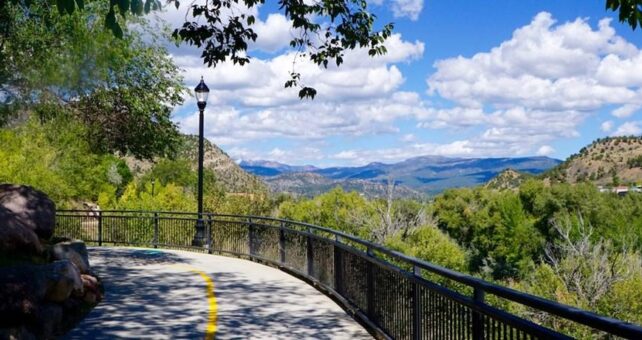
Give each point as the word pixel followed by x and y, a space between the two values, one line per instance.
pixel 153 294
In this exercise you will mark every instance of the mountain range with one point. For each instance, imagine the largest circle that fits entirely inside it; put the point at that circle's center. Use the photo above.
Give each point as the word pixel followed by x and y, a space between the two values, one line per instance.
pixel 424 175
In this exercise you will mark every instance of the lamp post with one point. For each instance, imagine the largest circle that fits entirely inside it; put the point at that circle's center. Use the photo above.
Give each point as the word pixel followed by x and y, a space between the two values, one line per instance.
pixel 201 92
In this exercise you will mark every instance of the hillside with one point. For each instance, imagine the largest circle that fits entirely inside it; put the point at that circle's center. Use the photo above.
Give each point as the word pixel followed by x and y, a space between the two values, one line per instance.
pixel 312 184
pixel 427 174
pixel 606 161
pixel 228 173
pixel 507 179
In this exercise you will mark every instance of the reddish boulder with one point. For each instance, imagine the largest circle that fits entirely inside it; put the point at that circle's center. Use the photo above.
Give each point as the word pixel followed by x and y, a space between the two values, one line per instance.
pixel 64 279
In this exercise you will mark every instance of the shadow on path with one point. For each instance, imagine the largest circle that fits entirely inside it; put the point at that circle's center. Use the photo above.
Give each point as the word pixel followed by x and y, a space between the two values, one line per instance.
pixel 153 294
pixel 141 298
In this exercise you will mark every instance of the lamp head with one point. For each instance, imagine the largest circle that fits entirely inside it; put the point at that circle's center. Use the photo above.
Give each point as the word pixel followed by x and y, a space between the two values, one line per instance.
pixel 201 92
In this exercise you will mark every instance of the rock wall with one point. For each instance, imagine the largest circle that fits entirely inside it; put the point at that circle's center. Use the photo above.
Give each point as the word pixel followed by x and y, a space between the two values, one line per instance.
pixel 46 285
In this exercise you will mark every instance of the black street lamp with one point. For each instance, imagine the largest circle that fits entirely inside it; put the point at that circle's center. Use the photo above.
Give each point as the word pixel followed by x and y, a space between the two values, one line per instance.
pixel 201 92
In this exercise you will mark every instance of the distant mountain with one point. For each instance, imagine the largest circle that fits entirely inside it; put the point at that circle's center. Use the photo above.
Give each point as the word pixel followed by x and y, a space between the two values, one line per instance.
pixel 311 184
pixel 270 168
pixel 603 162
pixel 426 174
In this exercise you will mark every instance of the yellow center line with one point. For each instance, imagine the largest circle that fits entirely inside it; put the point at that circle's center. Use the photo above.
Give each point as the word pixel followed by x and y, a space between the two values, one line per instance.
pixel 210 328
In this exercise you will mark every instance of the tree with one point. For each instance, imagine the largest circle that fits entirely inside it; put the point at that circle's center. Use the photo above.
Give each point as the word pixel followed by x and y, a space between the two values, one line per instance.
pixel 223 28
pixel 325 29
pixel 123 89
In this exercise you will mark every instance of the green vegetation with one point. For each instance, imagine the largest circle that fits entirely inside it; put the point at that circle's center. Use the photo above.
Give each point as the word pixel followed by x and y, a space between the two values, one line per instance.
pixel 568 243
pixel 85 117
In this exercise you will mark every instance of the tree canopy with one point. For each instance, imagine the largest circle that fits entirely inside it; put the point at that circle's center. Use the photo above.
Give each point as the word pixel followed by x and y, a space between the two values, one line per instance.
pixel 122 89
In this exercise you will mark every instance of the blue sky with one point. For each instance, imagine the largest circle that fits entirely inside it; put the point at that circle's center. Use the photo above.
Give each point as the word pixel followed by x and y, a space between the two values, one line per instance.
pixel 462 79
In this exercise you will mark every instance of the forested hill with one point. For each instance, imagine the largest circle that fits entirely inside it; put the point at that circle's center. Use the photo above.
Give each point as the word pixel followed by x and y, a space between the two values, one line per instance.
pixel 606 161
pixel 508 179
pixel 228 173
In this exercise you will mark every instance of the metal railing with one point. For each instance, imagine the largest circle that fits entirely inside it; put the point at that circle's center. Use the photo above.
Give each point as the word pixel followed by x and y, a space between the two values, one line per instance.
pixel 394 295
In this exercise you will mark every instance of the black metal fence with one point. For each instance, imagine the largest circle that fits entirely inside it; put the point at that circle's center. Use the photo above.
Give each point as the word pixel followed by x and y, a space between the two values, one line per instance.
pixel 395 295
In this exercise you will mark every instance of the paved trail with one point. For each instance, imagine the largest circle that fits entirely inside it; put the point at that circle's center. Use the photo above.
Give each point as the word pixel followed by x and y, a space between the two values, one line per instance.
pixel 167 294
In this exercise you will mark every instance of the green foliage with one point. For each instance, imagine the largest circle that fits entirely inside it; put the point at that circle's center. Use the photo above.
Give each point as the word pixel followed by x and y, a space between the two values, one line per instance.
pixel 166 197
pixel 430 244
pixel 630 11
pixel 123 90
pixel 53 158
pixel 336 209
pixel 635 162
pixel 225 36
pixel 505 232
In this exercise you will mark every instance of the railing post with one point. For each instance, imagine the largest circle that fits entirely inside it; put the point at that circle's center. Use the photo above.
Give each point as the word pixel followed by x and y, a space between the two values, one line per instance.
pixel 416 306
pixel 209 233
pixel 155 241
pixel 338 267
pixel 250 244
pixel 100 228
pixel 310 254
pixel 282 243
pixel 370 302
pixel 478 329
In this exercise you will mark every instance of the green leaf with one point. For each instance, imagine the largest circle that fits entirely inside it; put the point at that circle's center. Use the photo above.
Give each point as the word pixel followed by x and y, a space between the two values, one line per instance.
pixel 112 24
pixel 307 92
pixel 80 4
pixel 123 5
pixel 61 6
pixel 137 7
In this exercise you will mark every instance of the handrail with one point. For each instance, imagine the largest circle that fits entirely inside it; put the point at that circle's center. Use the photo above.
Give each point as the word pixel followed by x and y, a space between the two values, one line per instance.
pixel 593 320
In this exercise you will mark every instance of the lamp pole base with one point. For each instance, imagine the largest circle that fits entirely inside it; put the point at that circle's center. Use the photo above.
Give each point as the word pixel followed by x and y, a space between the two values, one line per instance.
pixel 199 237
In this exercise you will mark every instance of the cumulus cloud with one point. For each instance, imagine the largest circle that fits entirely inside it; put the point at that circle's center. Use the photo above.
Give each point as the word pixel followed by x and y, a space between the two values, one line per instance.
pixel 606 126
pixel 539 85
pixel 515 99
pixel 626 110
pixel 407 8
pixel 359 98
pixel 628 129
pixel 545 150
pixel 545 66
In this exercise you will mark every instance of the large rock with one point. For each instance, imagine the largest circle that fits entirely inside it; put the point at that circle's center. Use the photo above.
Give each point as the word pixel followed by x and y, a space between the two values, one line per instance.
pixel 64 279
pixel 74 251
pixel 16 237
pixel 48 320
pixel 32 207
pixel 22 288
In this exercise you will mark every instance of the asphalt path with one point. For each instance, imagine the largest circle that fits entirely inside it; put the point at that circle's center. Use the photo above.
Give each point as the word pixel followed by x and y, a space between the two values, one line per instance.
pixel 153 294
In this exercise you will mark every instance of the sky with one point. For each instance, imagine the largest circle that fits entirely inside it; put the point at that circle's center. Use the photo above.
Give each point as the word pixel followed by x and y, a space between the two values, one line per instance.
pixel 462 78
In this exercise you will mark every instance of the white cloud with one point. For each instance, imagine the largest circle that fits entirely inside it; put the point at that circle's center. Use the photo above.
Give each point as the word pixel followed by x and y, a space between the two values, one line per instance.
pixel 516 99
pixel 626 110
pixel 359 98
pixel 407 8
pixel 408 138
pixel 606 126
pixel 273 34
pixel 628 129
pixel 544 67
pixel 538 86
pixel 545 150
